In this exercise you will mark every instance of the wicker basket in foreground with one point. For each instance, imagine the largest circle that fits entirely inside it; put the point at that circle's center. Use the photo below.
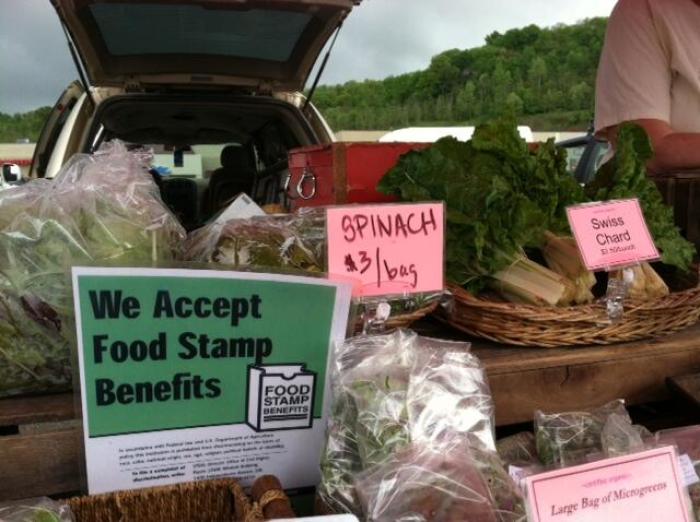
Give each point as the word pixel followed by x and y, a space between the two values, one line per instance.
pixel 526 325
pixel 220 500
pixel 400 320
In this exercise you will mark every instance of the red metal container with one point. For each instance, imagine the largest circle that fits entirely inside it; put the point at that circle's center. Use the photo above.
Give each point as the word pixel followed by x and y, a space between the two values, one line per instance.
pixel 342 173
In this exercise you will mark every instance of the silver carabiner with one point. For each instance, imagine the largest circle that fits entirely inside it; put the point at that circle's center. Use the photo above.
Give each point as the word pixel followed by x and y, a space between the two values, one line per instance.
pixel 306 175
pixel 285 186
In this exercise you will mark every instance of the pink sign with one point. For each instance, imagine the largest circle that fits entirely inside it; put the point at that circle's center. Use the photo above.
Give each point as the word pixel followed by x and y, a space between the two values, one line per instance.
pixel 612 234
pixel 389 249
pixel 635 488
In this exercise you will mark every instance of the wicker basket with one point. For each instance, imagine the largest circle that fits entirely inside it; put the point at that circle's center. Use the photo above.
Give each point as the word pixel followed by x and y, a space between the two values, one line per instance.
pixel 221 500
pixel 399 321
pixel 526 325
pixel 406 320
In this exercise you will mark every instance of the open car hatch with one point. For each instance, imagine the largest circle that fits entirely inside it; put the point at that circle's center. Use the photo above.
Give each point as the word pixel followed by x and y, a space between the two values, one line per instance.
pixel 266 45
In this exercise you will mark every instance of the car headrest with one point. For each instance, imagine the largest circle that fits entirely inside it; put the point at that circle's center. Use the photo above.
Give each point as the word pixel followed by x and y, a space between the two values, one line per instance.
pixel 236 157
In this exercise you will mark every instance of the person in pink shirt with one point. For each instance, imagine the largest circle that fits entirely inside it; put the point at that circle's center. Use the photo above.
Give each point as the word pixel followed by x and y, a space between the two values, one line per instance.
pixel 649 74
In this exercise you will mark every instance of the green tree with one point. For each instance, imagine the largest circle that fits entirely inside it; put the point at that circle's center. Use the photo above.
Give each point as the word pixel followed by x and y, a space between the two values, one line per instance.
pixel 440 78
pixel 514 104
pixel 551 71
pixel 581 95
pixel 538 72
pixel 502 83
pixel 466 101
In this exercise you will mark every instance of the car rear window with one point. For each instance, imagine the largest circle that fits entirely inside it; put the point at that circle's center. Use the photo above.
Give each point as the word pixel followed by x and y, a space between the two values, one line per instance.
pixel 141 29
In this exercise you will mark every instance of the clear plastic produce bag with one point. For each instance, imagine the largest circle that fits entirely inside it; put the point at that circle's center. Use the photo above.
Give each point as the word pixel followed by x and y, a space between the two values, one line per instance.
pixel 369 416
pixel 423 483
pixel 620 437
pixel 296 242
pixel 518 450
pixel 566 439
pixel 391 391
pixel 448 395
pixel 687 440
pixel 102 208
pixel 41 509
pixel 291 241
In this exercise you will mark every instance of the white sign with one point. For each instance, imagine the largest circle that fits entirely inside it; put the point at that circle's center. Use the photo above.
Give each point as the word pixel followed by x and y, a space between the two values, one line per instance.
pixel 198 374
pixel 240 208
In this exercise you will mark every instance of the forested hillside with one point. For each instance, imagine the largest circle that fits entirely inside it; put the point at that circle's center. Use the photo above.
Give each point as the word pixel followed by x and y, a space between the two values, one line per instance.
pixel 545 76
pixel 20 126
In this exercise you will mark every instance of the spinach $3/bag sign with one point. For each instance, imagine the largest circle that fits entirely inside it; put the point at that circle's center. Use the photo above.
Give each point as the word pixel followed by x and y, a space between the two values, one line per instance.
pixel 198 374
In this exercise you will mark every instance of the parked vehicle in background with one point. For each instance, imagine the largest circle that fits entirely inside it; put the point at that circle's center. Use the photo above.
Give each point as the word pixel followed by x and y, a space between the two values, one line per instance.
pixel 585 155
pixel 11 175
pixel 216 93
pixel 432 134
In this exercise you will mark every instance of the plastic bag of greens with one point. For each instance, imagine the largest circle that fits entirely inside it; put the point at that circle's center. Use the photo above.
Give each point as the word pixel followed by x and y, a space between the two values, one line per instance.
pixel 448 395
pixel 518 450
pixel 687 440
pixel 33 350
pixel 566 439
pixel 35 510
pixel 519 454
pixel 393 390
pixel 118 206
pixel 446 483
pixel 620 437
pixel 289 241
pixel 369 417
pixel 101 208
pixel 16 202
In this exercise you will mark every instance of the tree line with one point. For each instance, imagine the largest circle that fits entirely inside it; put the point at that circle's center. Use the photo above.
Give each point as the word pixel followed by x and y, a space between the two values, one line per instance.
pixel 20 126
pixel 546 77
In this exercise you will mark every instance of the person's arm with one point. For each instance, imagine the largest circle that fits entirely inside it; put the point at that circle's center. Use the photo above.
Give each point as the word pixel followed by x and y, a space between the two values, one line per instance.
pixel 634 85
pixel 673 150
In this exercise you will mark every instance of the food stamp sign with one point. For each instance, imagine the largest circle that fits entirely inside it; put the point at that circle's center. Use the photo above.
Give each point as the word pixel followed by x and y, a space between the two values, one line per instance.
pixel 195 374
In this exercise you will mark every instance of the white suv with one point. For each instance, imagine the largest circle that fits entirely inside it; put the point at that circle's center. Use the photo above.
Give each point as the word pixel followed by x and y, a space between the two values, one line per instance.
pixel 194 80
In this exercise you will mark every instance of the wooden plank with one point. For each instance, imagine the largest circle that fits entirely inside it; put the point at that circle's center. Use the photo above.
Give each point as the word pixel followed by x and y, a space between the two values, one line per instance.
pixel 503 358
pixel 578 378
pixel 40 464
pixel 687 386
pixel 44 408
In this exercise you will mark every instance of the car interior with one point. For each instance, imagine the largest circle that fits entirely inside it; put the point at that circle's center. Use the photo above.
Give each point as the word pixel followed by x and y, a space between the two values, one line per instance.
pixel 206 152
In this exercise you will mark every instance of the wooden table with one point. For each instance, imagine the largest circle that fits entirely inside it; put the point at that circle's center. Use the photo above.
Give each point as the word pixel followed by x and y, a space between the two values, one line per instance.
pixel 559 379
pixel 40 452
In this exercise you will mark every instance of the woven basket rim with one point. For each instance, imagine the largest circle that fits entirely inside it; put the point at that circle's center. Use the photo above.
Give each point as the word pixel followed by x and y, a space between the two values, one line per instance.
pixel 406 319
pixel 551 326
pixel 470 299
pixel 109 506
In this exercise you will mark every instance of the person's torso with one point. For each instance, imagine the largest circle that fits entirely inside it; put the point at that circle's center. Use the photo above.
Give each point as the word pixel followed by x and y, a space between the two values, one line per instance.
pixel 678 25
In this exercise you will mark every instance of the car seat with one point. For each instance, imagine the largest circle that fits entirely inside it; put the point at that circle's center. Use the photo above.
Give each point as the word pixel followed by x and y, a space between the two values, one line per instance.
pixel 180 195
pixel 236 174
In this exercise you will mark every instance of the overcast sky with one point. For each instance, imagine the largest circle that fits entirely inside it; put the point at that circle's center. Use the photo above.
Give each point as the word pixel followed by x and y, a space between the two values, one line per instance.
pixel 380 38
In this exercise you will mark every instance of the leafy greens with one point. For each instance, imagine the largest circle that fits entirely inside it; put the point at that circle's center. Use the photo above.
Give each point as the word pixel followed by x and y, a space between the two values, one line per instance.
pixel 500 196
pixel 625 176
pixel 103 208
